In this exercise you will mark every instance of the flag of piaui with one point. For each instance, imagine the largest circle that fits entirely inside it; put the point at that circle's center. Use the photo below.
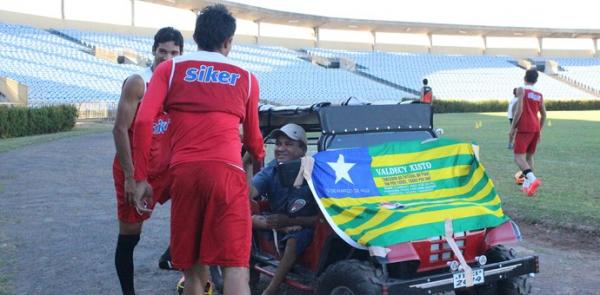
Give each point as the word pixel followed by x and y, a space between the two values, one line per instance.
pixel 403 191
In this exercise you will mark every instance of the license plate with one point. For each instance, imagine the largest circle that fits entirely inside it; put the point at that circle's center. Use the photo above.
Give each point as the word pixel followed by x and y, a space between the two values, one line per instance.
pixel 460 280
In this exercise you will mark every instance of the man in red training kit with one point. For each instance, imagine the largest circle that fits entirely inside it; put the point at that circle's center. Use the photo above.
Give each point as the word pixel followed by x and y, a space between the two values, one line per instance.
pixel 528 128
pixel 168 42
pixel 207 96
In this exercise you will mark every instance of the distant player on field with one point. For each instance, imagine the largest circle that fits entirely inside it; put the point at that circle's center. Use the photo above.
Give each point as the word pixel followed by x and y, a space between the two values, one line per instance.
pixel 168 42
pixel 426 92
pixel 526 129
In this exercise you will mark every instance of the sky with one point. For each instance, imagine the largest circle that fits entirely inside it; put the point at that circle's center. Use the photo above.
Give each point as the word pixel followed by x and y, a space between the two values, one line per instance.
pixel 571 14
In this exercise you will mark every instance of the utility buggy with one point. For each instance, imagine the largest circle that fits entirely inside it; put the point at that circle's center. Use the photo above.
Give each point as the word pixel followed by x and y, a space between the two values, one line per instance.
pixel 332 266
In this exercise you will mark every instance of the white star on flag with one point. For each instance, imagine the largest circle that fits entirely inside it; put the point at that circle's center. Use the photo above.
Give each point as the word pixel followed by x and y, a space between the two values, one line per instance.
pixel 341 169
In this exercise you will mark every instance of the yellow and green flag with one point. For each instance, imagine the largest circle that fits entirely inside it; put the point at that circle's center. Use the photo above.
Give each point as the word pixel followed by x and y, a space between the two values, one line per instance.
pixel 403 191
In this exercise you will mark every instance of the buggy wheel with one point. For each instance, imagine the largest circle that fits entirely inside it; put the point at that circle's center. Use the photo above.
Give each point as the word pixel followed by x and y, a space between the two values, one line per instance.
pixel 349 277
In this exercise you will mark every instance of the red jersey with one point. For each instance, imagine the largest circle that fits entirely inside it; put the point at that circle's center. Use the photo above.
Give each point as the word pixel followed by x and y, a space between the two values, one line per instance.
pixel 427 95
pixel 207 96
pixel 529 121
pixel 159 152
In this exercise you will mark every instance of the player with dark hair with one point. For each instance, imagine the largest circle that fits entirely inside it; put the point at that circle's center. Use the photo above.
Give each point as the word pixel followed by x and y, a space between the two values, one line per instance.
pixel 207 96
pixel 526 128
pixel 168 42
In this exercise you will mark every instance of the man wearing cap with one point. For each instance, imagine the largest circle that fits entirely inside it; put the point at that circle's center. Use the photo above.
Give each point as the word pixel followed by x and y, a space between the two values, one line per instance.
pixel 296 232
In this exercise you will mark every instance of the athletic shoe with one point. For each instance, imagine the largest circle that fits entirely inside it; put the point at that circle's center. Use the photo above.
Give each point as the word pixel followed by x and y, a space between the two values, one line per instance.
pixel 164 262
pixel 533 187
pixel 181 284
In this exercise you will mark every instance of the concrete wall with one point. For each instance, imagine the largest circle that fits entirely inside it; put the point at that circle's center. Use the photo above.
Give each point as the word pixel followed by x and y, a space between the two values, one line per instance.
pixel 402 48
pixel 514 52
pixel 286 42
pixel 13 91
pixel 567 53
pixel 456 50
pixel 345 45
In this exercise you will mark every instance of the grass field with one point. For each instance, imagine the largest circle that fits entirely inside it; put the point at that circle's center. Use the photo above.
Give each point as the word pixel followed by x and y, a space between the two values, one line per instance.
pixel 81 128
pixel 565 161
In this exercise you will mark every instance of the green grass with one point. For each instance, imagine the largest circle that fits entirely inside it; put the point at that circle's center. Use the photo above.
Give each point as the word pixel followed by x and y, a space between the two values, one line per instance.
pixel 9 144
pixel 565 161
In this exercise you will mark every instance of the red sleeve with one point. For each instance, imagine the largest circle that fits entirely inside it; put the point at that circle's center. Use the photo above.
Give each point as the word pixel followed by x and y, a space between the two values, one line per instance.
pixel 150 107
pixel 253 140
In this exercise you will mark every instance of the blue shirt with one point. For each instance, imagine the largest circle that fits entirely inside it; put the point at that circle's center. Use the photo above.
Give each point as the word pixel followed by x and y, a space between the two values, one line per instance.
pixel 268 183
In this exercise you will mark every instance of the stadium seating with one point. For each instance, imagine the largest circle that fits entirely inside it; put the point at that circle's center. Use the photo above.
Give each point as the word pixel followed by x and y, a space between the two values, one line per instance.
pixel 582 71
pixel 58 67
pixel 453 76
pixel 57 70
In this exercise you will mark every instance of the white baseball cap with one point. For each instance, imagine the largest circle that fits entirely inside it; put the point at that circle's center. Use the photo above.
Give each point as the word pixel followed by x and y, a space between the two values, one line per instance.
pixel 291 130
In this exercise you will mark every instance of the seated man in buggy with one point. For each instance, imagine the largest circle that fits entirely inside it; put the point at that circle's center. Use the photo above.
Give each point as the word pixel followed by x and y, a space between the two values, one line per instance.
pixel 294 210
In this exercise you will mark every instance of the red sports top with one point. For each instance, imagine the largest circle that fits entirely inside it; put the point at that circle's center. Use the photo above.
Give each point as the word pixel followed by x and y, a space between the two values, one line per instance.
pixel 427 95
pixel 529 121
pixel 159 152
pixel 207 96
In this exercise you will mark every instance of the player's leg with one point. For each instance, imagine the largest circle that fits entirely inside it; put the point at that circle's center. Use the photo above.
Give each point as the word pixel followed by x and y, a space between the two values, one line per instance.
pixel 235 281
pixel 286 263
pixel 187 222
pixel 129 236
pixel 130 228
pixel 195 278
pixel 529 175
pixel 227 210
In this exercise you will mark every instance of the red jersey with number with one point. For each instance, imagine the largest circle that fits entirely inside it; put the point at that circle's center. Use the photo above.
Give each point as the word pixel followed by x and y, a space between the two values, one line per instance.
pixel 207 97
pixel 529 121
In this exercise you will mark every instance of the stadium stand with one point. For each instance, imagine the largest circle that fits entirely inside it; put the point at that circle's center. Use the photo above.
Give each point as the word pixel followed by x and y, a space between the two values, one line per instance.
pixel 582 71
pixel 58 66
pixel 459 77
pixel 57 70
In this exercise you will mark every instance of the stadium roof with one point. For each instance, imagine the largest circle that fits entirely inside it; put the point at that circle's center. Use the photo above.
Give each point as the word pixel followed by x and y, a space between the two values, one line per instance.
pixel 260 14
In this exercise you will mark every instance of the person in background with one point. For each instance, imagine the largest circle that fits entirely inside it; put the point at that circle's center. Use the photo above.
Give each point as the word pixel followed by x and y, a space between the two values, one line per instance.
pixel 426 93
pixel 526 129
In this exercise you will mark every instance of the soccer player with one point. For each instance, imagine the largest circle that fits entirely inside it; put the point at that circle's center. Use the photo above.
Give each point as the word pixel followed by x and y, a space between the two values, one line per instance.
pixel 168 42
pixel 207 96
pixel 527 127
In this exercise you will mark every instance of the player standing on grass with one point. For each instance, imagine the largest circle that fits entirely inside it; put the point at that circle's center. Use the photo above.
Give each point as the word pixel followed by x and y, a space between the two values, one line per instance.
pixel 168 42
pixel 527 127
pixel 207 96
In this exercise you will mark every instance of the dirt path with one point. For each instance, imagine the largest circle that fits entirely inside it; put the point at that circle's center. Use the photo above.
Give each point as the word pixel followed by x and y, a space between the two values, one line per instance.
pixel 58 229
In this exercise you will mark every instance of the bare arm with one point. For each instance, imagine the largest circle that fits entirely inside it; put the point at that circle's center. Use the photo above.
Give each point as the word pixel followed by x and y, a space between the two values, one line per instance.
pixel 518 108
pixel 131 93
pixel 249 168
pixel 542 114
pixel 308 221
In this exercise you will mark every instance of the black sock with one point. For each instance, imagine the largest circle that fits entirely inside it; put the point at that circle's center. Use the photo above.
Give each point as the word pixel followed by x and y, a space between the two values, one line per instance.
pixel 526 171
pixel 166 255
pixel 124 261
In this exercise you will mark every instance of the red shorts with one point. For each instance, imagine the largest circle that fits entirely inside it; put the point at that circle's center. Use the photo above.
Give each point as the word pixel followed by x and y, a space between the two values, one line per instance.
pixel 129 214
pixel 526 142
pixel 210 215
